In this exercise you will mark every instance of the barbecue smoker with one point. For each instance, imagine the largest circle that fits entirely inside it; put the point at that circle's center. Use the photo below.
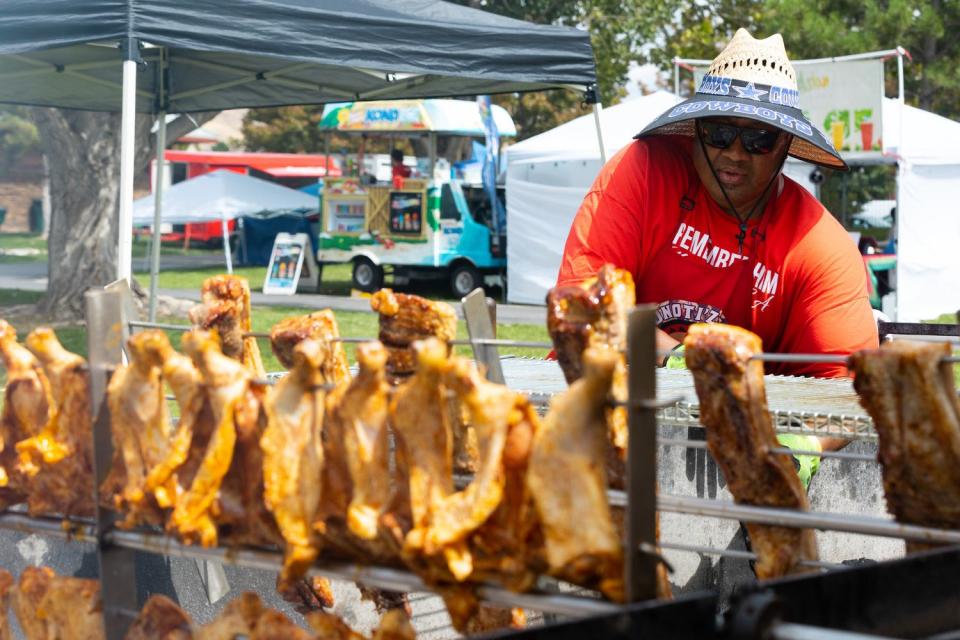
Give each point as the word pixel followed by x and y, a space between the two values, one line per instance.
pixel 848 594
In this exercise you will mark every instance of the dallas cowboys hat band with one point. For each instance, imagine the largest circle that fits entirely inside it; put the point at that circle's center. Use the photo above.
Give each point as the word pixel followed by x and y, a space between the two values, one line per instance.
pixel 718 86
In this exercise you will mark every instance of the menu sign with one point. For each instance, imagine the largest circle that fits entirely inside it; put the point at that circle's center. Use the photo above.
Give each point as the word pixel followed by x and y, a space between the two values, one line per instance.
pixel 406 212
pixel 844 99
pixel 286 263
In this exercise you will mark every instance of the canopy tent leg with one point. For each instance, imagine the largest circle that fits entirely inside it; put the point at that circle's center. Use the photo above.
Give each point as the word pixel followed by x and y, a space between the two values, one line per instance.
pixel 127 134
pixel 226 244
pixel 597 108
pixel 157 213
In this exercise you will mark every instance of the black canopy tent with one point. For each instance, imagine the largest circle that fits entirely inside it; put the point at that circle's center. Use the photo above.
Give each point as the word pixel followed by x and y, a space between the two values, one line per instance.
pixel 205 55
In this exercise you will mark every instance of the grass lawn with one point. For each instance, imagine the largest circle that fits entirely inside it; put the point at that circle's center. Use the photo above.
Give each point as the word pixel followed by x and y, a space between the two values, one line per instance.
pixel 32 244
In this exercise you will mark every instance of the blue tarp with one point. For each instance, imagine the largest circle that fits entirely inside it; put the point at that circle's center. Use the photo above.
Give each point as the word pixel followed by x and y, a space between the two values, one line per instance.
pixel 259 234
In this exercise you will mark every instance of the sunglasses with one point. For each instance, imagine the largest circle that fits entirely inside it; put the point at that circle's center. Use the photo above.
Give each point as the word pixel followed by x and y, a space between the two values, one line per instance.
pixel 756 141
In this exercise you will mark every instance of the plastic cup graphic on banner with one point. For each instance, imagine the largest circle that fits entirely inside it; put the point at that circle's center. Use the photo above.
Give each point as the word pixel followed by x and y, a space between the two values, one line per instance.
pixel 844 99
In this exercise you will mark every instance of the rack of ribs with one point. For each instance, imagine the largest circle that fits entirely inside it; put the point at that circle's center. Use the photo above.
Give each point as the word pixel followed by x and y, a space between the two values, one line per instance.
pixel 567 479
pixel 293 456
pixel 53 607
pixel 59 459
pixel 594 314
pixel 27 408
pixel 225 308
pixel 911 396
pixel 740 436
pixel 141 430
pixel 321 326
pixel 405 319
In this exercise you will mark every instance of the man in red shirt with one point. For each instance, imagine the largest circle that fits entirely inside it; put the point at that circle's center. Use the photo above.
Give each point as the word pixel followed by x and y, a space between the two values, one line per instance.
pixel 399 170
pixel 697 209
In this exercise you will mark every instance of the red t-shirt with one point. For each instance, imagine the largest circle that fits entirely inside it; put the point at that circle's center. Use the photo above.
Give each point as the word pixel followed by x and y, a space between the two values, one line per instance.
pixel 799 282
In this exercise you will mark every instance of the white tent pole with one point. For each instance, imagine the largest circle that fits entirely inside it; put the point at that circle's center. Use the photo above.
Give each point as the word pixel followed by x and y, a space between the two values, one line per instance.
pixel 157 212
pixel 226 244
pixel 127 141
pixel 901 169
pixel 597 108
pixel 676 76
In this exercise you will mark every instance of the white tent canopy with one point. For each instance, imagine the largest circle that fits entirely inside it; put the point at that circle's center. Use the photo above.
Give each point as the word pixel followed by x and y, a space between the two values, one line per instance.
pixel 220 196
pixel 928 211
pixel 548 176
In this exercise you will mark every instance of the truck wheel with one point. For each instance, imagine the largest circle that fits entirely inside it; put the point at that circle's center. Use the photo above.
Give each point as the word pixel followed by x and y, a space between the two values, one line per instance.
pixel 366 275
pixel 464 278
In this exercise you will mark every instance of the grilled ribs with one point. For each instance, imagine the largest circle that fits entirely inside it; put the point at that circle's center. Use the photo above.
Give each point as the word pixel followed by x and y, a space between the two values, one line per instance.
pixel 225 308
pixel 405 319
pixel 27 408
pixel 52 607
pixel 594 314
pixel 320 326
pixel 6 590
pixel 224 467
pixel 160 619
pixel 567 479
pixel 141 430
pixel 293 455
pixel 740 435
pixel 59 459
pixel 912 398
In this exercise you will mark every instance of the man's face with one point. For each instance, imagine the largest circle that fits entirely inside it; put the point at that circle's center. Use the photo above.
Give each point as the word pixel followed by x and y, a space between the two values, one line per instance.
pixel 743 175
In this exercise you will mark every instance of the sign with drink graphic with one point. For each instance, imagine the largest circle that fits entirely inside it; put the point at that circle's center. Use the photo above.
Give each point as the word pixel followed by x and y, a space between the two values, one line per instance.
pixel 844 99
pixel 286 263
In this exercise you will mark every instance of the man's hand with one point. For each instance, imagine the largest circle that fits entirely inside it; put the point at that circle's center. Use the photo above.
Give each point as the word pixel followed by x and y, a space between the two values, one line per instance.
pixel 664 343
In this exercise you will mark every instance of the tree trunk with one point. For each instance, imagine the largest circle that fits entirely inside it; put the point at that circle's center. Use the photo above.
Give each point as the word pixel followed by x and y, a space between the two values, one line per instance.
pixel 83 152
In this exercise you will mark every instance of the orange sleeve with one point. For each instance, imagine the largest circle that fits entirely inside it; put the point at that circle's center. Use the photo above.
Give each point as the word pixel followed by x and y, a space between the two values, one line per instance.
pixel 831 311
pixel 607 226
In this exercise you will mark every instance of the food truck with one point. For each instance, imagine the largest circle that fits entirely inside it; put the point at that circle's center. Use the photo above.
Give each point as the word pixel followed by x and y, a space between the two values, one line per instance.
pixel 435 224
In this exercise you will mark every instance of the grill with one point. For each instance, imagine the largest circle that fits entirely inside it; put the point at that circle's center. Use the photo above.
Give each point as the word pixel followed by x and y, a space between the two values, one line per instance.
pixel 667 448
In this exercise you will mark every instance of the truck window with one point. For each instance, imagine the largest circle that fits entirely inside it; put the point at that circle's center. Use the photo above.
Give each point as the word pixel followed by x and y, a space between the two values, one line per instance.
pixel 448 204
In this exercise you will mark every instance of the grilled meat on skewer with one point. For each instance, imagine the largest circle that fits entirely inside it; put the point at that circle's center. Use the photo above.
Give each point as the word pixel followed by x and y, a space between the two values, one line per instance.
pixel 225 308
pixel 59 459
pixel 912 398
pixel 405 319
pixel 740 435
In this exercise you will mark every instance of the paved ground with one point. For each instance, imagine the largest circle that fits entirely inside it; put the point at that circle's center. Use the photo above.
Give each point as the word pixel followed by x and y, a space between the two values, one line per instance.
pixel 32 276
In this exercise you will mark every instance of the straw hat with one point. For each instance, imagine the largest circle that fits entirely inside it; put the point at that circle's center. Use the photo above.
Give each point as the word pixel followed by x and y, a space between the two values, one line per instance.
pixel 752 79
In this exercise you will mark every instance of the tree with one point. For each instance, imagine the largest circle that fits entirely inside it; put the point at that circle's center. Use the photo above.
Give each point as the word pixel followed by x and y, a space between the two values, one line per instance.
pixel 83 152
pixel 18 136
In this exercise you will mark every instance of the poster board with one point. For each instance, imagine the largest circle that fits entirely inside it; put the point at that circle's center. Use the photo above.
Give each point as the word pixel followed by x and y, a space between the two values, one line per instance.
pixel 286 263
pixel 406 212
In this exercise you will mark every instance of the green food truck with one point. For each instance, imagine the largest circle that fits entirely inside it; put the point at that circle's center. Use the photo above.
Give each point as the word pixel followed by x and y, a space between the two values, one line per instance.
pixel 438 223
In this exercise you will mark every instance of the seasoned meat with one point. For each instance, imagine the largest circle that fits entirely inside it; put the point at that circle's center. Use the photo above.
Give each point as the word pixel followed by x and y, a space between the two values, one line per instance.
pixel 160 619
pixel 59 459
pixel 141 430
pixel 320 326
pixel 594 314
pixel 406 318
pixel 225 308
pixel 52 607
pixel 567 479
pixel 740 435
pixel 6 588
pixel 912 398
pixel 293 455
pixel 27 408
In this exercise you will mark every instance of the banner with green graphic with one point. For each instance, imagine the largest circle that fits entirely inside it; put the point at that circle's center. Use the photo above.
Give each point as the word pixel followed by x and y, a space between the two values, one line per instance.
pixel 843 99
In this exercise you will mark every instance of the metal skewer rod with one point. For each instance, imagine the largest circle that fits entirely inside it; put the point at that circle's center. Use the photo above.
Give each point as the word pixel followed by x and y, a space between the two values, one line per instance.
pixel 137 324
pixel 805 519
pixel 52 527
pixel 803 357
pixel 381 577
pixel 736 553
pixel 700 444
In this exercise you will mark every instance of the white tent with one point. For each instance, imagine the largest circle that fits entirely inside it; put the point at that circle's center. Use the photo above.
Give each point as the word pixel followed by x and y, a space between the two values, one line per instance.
pixel 548 176
pixel 220 196
pixel 927 147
